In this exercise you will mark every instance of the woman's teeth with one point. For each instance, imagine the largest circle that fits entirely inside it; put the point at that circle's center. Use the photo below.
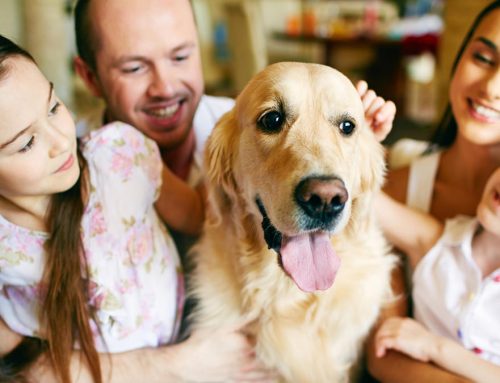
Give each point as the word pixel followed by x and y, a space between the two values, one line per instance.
pixel 485 111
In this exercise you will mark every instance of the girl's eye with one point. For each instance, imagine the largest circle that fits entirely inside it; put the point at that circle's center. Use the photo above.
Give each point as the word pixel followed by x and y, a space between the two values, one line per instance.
pixel 54 109
pixel 28 146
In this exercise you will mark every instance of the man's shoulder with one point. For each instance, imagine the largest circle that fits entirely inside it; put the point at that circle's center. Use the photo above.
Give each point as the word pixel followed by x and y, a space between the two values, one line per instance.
pixel 211 108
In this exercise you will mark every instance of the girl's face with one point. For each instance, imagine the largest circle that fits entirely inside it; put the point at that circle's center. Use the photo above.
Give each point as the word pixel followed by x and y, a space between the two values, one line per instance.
pixel 37 135
pixel 475 86
pixel 488 211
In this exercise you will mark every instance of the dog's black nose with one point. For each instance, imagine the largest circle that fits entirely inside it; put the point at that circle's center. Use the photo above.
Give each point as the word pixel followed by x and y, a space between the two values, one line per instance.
pixel 321 198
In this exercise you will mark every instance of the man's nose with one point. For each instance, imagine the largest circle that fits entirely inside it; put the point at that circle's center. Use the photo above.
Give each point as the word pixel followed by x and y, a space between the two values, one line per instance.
pixel 161 83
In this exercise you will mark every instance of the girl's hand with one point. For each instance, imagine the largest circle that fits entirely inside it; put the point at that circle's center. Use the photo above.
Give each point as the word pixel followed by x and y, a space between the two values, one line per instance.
pixel 379 114
pixel 407 336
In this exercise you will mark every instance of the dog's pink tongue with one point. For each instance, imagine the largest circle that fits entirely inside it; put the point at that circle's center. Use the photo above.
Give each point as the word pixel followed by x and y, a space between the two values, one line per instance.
pixel 310 260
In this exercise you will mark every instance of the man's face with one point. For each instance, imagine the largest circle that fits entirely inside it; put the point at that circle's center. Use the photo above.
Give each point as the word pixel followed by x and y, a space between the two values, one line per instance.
pixel 148 66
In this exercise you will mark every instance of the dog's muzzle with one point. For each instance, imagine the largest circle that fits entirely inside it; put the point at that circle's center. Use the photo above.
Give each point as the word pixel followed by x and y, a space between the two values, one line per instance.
pixel 322 200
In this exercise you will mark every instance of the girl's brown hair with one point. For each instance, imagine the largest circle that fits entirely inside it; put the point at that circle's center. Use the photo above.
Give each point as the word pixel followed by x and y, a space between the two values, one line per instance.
pixel 65 315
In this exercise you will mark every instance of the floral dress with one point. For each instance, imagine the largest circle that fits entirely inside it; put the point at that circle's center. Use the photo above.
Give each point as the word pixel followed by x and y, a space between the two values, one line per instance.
pixel 136 284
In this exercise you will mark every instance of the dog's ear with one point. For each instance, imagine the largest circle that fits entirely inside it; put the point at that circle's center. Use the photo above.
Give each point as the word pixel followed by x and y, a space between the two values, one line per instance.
pixel 371 177
pixel 372 162
pixel 218 162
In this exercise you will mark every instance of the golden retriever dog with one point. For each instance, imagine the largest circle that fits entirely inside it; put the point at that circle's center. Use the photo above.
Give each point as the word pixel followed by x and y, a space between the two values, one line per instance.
pixel 290 244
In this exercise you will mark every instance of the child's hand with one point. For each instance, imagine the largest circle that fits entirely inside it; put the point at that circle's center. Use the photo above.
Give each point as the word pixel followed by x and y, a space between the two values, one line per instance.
pixel 407 336
pixel 379 114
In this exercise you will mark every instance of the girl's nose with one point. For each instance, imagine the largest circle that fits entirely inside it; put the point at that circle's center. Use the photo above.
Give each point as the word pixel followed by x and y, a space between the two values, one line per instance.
pixel 59 142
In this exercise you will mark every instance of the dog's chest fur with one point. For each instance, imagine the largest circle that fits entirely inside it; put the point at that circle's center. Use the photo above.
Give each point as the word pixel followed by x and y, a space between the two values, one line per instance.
pixel 308 337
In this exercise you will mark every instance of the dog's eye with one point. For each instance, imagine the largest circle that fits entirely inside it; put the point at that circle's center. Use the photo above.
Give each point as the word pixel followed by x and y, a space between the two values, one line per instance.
pixel 271 122
pixel 347 127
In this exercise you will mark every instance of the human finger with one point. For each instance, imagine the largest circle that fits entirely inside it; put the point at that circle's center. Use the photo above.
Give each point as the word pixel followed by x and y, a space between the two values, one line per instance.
pixel 386 112
pixel 362 87
pixel 368 98
pixel 375 106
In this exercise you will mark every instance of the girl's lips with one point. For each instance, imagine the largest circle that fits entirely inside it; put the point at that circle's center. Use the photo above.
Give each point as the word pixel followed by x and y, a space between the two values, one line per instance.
pixel 68 164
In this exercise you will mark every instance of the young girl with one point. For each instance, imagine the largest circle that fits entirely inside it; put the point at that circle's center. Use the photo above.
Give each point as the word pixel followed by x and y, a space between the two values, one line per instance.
pixel 456 287
pixel 85 261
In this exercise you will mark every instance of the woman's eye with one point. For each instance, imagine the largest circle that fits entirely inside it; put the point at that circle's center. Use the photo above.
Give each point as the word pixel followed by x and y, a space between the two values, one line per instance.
pixel 347 127
pixel 271 122
pixel 482 58
pixel 28 146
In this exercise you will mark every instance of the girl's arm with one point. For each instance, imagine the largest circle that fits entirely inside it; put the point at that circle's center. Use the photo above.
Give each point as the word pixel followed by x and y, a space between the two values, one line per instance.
pixel 179 205
pixel 396 367
pixel 408 229
pixel 410 337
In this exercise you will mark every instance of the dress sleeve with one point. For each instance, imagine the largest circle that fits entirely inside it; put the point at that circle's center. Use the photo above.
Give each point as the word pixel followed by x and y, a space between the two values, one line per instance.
pixel 125 172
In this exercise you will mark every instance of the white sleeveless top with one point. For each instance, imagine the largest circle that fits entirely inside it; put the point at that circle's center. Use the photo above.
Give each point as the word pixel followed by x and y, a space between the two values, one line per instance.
pixel 421 177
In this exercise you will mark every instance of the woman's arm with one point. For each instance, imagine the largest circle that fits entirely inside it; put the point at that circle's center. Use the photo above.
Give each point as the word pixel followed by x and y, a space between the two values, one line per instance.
pixel 411 338
pixel 408 229
pixel 179 205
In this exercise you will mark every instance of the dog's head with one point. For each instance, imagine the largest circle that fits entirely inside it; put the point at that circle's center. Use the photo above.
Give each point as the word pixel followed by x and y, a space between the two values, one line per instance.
pixel 296 157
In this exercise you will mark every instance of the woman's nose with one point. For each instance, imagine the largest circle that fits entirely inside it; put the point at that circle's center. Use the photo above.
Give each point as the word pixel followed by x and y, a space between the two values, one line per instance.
pixel 492 85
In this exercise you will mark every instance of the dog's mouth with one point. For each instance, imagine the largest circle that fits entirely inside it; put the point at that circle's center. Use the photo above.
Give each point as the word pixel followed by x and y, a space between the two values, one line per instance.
pixel 308 258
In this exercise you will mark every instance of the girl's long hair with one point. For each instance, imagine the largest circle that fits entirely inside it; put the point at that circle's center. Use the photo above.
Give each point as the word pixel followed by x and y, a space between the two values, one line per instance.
pixel 65 315
pixel 447 128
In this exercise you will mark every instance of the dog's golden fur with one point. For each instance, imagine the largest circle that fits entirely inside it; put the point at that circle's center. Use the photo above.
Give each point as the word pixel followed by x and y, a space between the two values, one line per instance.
pixel 307 336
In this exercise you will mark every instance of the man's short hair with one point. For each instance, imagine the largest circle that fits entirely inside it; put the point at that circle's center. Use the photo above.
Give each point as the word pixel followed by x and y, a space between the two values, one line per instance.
pixel 85 37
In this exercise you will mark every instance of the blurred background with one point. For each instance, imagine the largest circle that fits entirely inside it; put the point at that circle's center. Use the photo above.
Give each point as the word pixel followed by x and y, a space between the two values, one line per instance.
pixel 403 48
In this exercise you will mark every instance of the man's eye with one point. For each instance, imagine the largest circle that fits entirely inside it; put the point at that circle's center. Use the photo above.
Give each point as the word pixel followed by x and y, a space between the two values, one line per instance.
pixel 132 69
pixel 181 57
pixel 28 146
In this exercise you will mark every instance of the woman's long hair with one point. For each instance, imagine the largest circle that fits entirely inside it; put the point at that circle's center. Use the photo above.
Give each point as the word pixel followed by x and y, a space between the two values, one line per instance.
pixel 65 316
pixel 446 130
